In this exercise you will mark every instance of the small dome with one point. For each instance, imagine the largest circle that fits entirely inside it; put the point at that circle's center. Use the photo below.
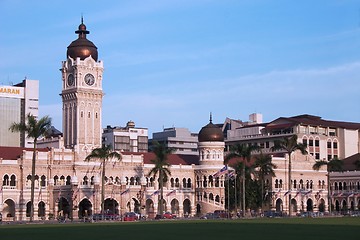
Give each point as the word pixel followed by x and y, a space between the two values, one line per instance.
pixel 82 47
pixel 210 133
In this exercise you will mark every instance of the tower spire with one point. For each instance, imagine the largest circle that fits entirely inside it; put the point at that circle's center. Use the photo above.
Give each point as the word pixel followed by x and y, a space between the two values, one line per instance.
pixel 210 117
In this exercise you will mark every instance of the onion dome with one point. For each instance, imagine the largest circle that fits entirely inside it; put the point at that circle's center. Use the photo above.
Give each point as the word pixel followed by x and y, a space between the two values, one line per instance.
pixel 211 133
pixel 82 47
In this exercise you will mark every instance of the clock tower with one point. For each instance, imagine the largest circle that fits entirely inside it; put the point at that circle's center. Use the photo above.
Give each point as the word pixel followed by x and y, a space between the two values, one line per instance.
pixel 82 94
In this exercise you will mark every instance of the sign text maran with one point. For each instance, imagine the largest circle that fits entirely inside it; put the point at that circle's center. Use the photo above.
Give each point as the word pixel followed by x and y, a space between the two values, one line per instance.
pixel 9 90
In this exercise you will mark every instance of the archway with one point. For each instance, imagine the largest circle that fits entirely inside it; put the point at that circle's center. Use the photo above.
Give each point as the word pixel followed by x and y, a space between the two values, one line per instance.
pixel 322 205
pixel 9 209
pixel 344 206
pixel 279 205
pixel 198 209
pixel 337 206
pixel 133 205
pixel 41 210
pixel 309 205
pixel 187 207
pixel 63 207
pixel 293 206
pixel 149 208
pixel 352 206
pixel 175 206
pixel 111 206
pixel 85 208
pixel 28 209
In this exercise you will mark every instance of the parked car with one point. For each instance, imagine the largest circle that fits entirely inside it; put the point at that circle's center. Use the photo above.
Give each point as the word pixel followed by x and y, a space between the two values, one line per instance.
pixel 130 217
pixel 169 215
pixel 209 215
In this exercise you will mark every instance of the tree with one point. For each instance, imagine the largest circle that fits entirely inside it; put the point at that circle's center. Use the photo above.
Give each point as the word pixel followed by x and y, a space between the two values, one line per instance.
pixel 105 154
pixel 265 167
pixel 162 168
pixel 334 165
pixel 289 145
pixel 34 129
pixel 243 152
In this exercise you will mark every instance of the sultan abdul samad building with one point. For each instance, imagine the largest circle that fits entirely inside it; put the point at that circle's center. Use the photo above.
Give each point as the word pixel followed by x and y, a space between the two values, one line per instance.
pixel 69 186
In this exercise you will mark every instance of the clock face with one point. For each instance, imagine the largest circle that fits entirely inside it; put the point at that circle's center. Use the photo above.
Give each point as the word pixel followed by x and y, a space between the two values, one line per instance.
pixel 89 79
pixel 70 80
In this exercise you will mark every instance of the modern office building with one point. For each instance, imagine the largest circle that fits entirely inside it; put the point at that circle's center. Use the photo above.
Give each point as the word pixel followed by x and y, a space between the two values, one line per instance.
pixel 179 139
pixel 16 101
pixel 129 138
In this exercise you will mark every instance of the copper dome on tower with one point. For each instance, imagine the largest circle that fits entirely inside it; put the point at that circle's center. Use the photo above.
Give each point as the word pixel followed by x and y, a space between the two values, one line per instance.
pixel 82 47
pixel 210 133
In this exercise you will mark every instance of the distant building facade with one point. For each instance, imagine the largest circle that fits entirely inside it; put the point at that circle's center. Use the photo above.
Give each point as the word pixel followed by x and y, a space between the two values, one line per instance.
pixel 16 102
pixel 129 138
pixel 325 140
pixel 179 139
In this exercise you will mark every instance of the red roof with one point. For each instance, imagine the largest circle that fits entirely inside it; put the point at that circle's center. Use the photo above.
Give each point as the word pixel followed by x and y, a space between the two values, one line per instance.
pixel 307 119
pixel 349 162
pixel 13 153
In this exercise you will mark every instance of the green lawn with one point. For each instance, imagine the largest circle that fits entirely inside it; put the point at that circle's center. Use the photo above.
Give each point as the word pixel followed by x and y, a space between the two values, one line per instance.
pixel 292 229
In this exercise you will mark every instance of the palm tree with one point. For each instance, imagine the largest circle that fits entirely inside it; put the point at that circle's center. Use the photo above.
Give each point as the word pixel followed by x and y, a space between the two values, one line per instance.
pixel 265 167
pixel 105 154
pixel 243 152
pixel 34 129
pixel 289 145
pixel 161 167
pixel 333 165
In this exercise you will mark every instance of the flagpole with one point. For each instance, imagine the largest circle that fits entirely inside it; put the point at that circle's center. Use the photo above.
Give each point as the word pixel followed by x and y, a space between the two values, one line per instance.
pixel 235 193
pixel 228 178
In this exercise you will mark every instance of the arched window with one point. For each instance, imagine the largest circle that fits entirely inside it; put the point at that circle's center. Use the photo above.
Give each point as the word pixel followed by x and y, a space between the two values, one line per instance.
pixel 43 181
pixel 172 182
pixel 56 180
pixel 189 183
pixel 85 181
pixel 211 181
pixel 336 186
pixel 197 181
pixel 132 181
pixel 311 184
pixel 295 183
pixel 217 199
pixel 62 180
pixel 205 195
pixel 340 186
pixel 217 182
pixel 344 186
pixel 177 183
pixel 211 196
pixel 13 180
pixel 276 183
pixel 68 180
pixel 280 183
pixel 92 180
pixel 301 184
pixel 184 183
pixel 6 180
pixel 205 182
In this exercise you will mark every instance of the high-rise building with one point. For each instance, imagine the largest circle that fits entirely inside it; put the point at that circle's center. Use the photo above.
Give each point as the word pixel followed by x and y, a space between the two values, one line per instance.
pixel 16 102
pixel 126 139
pixel 179 139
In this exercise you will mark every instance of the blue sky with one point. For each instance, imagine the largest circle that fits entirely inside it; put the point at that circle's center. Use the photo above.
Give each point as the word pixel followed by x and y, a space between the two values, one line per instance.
pixel 169 63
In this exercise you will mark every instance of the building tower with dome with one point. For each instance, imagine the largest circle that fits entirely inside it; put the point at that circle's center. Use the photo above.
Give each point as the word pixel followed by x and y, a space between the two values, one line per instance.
pixel 210 192
pixel 82 94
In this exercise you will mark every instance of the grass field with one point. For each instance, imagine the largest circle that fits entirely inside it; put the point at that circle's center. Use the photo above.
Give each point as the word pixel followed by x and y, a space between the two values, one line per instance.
pixel 278 228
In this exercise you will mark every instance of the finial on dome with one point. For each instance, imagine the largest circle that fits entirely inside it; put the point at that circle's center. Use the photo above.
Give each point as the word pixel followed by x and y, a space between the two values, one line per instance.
pixel 82 19
pixel 210 117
